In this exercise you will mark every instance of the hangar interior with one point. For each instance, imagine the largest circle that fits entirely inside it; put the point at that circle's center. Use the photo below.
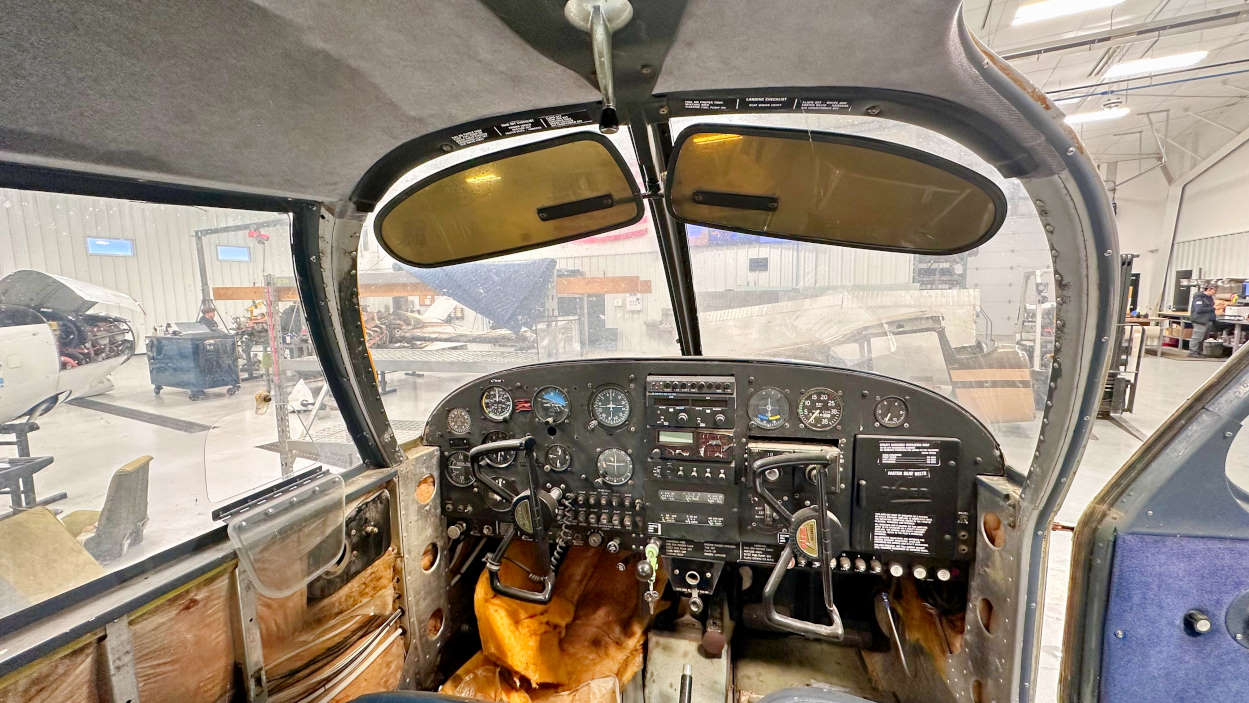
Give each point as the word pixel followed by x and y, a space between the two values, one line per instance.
pixel 181 352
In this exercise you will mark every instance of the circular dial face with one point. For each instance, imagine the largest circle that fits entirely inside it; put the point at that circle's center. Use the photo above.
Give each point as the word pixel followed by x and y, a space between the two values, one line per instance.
pixel 558 457
pixel 768 408
pixel 459 471
pixel 496 403
pixel 610 406
pixel 550 405
pixel 614 466
pixel 498 459
pixel 891 411
pixel 820 409
pixel 459 421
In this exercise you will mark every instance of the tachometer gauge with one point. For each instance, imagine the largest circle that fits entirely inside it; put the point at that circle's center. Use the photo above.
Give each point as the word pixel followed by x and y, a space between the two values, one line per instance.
pixel 820 409
pixel 496 402
pixel 459 421
pixel 558 457
pixel 610 406
pixel 615 466
pixel 499 459
pixel 550 405
pixel 769 409
pixel 891 411
pixel 459 471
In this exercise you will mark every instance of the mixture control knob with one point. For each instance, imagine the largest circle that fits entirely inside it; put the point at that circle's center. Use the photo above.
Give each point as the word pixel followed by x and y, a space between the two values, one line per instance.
pixel 454 531
pixel 613 546
pixel 943 574
pixel 896 570
pixel 594 539
pixel 919 571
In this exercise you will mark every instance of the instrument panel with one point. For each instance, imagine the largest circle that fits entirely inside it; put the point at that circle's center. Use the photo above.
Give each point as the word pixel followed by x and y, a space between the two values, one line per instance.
pixel 660 451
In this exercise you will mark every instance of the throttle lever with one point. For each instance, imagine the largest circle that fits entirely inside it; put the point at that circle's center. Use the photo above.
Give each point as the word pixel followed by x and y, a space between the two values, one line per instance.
pixel 800 527
pixel 536 523
pixel 525 444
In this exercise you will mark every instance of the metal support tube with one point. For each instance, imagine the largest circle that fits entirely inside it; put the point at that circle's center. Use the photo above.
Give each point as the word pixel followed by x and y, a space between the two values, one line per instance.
pixel 648 144
pixel 248 652
pixel 119 681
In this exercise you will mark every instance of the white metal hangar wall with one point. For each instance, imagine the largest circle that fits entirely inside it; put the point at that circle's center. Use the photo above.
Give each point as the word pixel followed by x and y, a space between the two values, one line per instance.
pixel 50 232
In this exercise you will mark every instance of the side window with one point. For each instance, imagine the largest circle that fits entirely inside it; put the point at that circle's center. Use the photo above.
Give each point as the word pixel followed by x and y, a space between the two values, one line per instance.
pixel 154 364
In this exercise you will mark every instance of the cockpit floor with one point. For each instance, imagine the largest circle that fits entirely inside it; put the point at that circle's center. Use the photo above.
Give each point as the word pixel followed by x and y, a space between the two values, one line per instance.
pixel 761 666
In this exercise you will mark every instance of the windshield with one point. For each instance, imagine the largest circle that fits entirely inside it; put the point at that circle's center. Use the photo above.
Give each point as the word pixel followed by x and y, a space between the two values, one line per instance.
pixel 429 330
pixel 964 325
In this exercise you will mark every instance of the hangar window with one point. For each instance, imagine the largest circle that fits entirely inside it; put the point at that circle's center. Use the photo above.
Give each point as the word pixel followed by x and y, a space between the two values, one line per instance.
pixel 105 246
pixel 226 252
pixel 431 329
pixel 138 395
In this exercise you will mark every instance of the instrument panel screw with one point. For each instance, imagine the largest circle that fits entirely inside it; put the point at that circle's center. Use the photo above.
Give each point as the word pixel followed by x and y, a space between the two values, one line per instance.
pixel 1118 634
pixel 873 110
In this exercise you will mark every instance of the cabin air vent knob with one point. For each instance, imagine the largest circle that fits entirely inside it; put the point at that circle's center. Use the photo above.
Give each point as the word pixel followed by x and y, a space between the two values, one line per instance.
pixel 600 18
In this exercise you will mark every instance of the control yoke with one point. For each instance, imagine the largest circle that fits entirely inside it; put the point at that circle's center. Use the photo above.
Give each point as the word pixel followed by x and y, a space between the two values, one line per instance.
pixel 811 534
pixel 532 511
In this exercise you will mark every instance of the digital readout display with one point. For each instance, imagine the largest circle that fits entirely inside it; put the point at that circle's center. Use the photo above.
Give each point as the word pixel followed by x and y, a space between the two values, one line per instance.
pixel 702 497
pixel 670 437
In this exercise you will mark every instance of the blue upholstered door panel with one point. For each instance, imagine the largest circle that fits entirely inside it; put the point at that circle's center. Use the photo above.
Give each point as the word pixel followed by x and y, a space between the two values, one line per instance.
pixel 1154 582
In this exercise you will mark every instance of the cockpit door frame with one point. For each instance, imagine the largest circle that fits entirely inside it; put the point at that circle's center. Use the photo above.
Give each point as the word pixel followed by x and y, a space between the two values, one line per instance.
pixel 1173 488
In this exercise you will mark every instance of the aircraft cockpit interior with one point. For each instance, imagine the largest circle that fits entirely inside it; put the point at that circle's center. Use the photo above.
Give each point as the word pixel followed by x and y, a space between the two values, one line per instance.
pixel 616 351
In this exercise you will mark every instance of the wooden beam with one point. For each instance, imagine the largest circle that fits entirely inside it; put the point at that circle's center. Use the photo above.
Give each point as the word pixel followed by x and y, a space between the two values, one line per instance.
pixel 367 290
pixel 604 284
pixel 563 286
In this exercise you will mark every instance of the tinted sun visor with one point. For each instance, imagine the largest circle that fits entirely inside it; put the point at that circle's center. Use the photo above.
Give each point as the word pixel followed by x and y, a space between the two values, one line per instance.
pixel 521 198
pixel 830 188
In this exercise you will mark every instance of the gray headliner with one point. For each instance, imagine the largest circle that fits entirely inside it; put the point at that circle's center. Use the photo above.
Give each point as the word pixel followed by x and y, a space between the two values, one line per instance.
pixel 299 98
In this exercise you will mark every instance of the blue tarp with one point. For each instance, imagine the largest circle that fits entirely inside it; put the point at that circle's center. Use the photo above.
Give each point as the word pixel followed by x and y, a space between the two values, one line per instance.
pixel 512 295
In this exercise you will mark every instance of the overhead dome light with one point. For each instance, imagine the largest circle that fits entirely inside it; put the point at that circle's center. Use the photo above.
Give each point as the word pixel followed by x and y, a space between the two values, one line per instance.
pixel 1049 9
pixel 1156 64
pixel 1113 113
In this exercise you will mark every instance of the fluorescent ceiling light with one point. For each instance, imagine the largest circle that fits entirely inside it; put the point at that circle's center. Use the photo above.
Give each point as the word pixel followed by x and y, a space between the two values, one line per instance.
pixel 1113 113
pixel 1154 65
pixel 1067 101
pixel 1049 9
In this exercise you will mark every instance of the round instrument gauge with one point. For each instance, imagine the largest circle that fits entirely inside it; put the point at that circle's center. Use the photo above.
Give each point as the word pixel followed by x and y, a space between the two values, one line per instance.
pixel 499 459
pixel 891 411
pixel 496 403
pixel 459 421
pixel 610 406
pixel 769 409
pixel 558 457
pixel 820 409
pixel 615 466
pixel 550 405
pixel 459 470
